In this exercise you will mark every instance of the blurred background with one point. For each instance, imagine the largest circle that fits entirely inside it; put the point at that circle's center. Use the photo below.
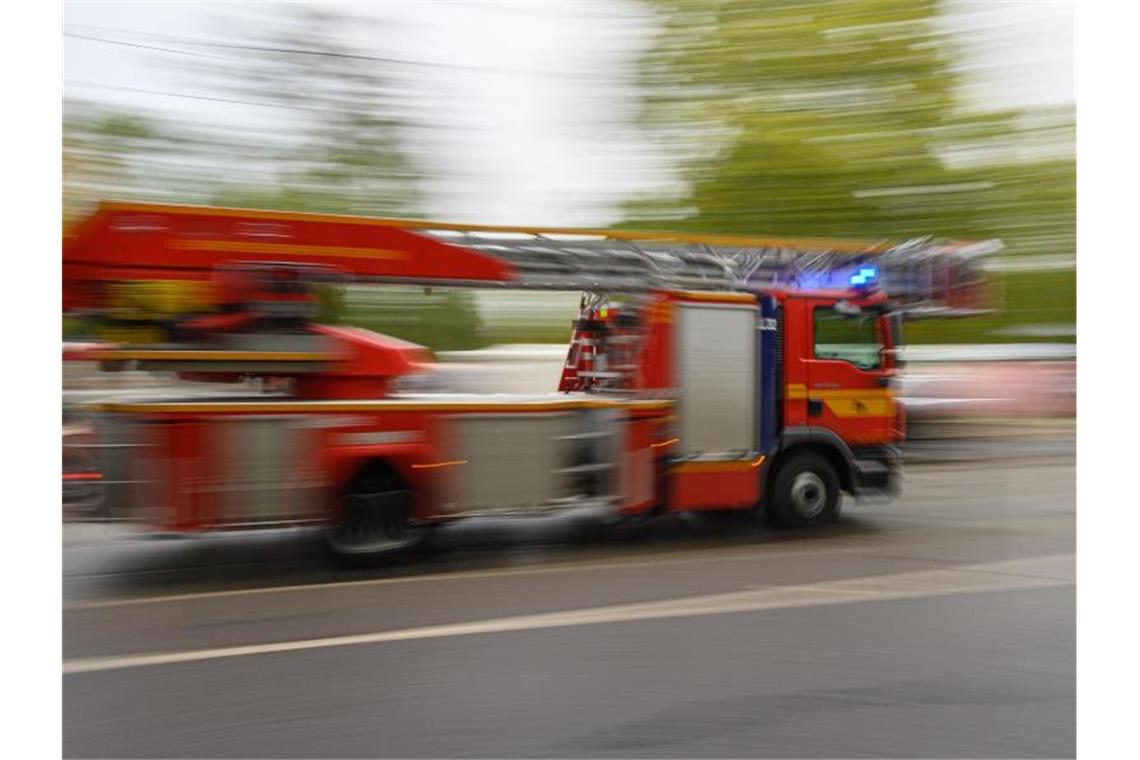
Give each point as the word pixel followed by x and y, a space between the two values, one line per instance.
pixel 848 119
pixel 807 118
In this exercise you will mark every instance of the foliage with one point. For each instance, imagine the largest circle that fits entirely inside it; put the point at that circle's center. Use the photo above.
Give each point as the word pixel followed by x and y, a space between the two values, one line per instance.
pixel 1027 298
pixel 443 320
pixel 828 117
pixel 334 146
pixel 806 118
pixel 99 150
pixel 843 118
pixel 344 153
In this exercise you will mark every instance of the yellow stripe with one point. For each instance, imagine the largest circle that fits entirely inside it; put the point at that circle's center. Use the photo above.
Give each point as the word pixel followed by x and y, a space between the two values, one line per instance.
pixel 433 465
pixel 822 244
pixel 286 249
pixel 688 468
pixel 801 392
pixel 370 406
pixel 849 402
pixel 795 391
pixel 211 356
pixel 854 393
pixel 686 295
pixel 861 407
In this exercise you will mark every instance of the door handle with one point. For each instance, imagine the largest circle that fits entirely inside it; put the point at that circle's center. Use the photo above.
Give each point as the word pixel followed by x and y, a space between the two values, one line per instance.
pixel 814 407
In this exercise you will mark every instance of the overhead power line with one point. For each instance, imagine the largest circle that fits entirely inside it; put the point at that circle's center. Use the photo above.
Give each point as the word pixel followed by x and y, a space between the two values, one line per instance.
pixel 422 126
pixel 144 91
pixel 198 42
pixel 155 48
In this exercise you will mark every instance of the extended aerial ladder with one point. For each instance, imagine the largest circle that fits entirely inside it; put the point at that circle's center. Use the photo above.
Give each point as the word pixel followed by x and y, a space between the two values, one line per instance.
pixel 115 258
pixel 134 241
pixel 218 293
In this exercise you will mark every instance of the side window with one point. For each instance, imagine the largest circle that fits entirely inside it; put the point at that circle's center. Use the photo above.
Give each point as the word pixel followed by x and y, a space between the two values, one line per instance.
pixel 849 338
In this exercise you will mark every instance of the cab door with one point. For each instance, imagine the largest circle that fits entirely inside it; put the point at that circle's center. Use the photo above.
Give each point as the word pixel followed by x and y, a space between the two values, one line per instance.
pixel 849 374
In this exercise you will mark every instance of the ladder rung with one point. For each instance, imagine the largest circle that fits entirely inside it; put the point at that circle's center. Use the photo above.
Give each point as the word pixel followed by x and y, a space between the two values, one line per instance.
pixel 586 436
pixel 598 467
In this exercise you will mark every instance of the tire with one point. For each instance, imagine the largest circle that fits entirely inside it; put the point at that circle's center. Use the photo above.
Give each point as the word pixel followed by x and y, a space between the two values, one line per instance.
pixel 804 493
pixel 374 523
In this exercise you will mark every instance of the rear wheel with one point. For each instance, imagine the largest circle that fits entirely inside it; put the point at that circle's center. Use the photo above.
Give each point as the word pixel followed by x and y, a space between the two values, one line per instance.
pixel 805 492
pixel 375 520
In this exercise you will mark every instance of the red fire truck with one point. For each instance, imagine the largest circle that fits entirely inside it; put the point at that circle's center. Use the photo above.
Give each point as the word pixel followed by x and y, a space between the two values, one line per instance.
pixel 703 372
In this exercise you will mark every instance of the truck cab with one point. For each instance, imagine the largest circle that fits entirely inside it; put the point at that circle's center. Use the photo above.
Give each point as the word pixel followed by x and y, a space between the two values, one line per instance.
pixel 705 372
pixel 840 380
pixel 784 398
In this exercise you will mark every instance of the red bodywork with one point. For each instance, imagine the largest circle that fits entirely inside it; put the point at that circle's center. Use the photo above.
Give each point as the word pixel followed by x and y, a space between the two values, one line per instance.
pixel 134 241
pixel 857 404
pixel 139 242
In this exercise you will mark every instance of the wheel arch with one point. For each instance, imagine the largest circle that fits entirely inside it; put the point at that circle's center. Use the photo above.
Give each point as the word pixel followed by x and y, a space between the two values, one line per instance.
pixel 819 441
pixel 375 467
pixel 374 514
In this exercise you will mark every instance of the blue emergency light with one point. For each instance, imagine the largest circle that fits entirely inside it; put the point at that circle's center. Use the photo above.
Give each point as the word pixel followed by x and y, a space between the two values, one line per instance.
pixel 865 276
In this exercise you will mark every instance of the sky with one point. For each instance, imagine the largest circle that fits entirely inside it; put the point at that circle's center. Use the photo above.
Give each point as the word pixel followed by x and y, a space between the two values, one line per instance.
pixel 1019 53
pixel 542 94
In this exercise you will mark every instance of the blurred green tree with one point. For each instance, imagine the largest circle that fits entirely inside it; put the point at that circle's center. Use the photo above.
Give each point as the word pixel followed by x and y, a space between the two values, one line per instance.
pixel 334 146
pixel 343 148
pixel 100 146
pixel 841 118
pixel 846 118
pixel 342 151
pixel 444 320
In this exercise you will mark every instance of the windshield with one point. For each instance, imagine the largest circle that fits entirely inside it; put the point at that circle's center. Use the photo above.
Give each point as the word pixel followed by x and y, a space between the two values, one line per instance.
pixel 850 338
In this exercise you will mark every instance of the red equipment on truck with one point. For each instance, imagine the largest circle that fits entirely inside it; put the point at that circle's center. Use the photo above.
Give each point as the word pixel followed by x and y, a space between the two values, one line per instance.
pixel 704 372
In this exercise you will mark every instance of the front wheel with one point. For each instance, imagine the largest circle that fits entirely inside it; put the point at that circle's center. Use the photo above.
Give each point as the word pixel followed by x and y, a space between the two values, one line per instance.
pixel 374 523
pixel 805 492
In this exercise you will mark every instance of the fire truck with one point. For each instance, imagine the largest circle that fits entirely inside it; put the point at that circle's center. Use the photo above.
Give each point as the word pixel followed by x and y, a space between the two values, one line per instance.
pixel 703 373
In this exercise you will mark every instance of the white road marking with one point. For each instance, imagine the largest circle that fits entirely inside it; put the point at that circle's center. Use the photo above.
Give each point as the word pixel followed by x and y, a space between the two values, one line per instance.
pixel 681 557
pixel 1040 572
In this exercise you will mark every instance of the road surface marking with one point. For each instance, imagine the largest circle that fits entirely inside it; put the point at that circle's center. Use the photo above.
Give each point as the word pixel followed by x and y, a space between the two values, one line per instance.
pixel 1040 572
pixel 680 557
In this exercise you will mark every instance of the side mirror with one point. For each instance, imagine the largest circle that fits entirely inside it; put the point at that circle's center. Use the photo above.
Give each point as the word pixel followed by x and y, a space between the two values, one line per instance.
pixel 894 355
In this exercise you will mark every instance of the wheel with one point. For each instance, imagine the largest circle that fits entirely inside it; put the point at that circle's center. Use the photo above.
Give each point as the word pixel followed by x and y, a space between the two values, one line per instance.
pixel 375 521
pixel 805 492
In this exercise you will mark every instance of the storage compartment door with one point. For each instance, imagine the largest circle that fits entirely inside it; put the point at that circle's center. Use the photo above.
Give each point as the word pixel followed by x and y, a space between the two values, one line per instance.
pixel 716 356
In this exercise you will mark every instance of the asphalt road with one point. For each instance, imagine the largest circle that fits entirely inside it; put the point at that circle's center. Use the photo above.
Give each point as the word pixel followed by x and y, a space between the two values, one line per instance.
pixel 942 625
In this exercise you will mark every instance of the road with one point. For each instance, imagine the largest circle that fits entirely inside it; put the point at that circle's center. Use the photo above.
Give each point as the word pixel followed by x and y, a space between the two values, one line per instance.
pixel 939 626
